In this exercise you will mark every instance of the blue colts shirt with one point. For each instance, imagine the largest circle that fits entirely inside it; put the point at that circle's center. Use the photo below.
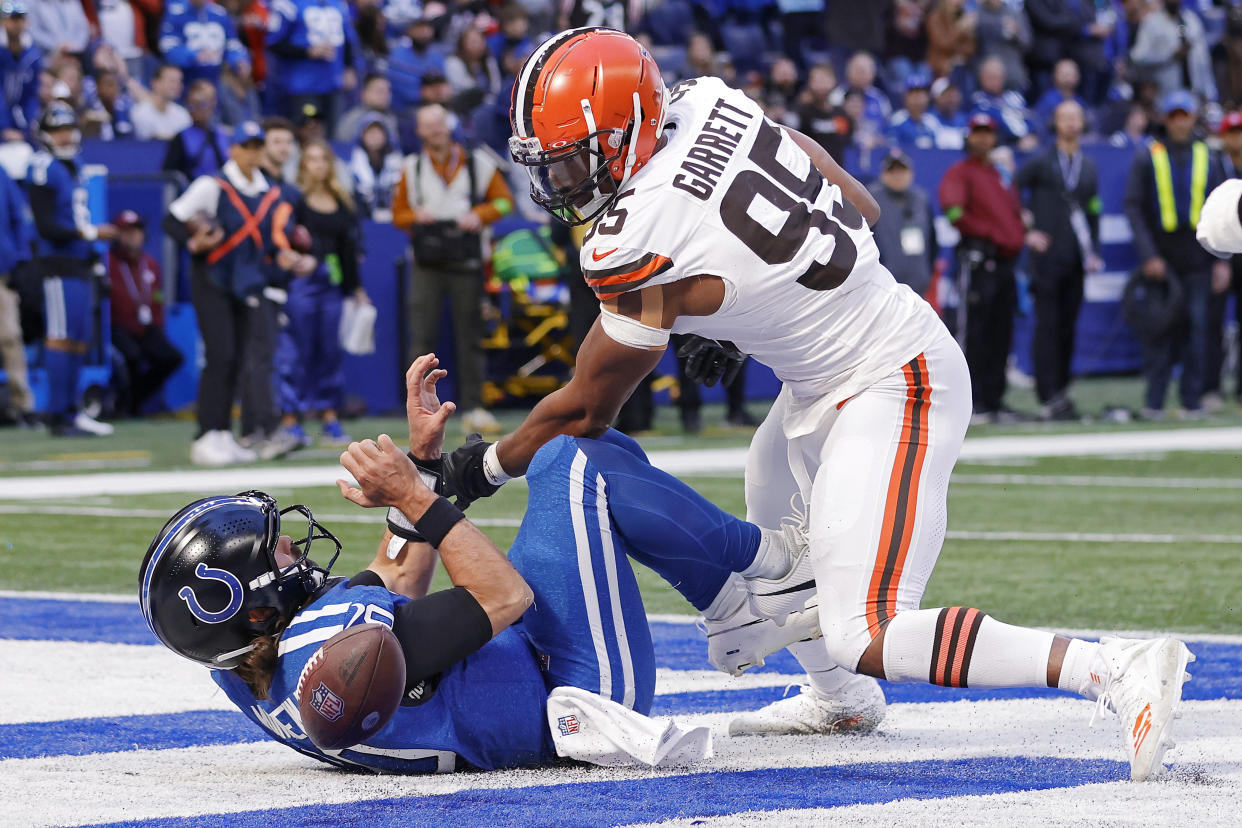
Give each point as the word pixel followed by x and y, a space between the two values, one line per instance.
pixel 484 712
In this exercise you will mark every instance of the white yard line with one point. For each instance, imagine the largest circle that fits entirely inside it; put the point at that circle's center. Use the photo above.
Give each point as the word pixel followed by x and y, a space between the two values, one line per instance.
pixel 70 510
pixel 681 462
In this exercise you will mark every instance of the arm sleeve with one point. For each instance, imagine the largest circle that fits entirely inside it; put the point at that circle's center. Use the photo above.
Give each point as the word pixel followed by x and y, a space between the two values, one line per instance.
pixel 498 200
pixel 1136 205
pixel 234 53
pixel 402 213
pixel 281 18
pixel 952 194
pixel 1091 197
pixel 202 196
pixel 43 205
pixel 174 156
pixel 173 45
pixel 348 251
pixel 175 228
pixel 438 631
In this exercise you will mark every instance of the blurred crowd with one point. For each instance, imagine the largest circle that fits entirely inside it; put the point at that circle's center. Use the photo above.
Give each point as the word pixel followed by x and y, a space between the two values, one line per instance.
pixel 303 117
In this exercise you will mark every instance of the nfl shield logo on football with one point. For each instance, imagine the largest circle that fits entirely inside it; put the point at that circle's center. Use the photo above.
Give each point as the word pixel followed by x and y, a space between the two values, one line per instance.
pixel 329 704
pixel 568 725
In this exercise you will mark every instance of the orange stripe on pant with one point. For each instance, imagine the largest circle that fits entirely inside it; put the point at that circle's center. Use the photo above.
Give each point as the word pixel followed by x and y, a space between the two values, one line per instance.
pixel 901 504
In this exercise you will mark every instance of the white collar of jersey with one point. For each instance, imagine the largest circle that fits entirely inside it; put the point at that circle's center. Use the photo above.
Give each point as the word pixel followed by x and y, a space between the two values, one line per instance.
pixel 246 186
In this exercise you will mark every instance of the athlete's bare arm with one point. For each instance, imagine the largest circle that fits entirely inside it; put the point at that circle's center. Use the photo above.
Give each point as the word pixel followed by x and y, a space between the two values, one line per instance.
pixel 410 572
pixel 386 477
pixel 607 372
pixel 854 192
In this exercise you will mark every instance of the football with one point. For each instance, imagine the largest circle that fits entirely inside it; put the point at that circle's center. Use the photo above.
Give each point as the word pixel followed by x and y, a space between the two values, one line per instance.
pixel 300 239
pixel 351 686
pixel 202 222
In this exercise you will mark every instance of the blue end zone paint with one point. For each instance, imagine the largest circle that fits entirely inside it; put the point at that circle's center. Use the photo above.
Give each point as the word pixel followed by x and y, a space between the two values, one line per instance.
pixel 78 737
pixel 33 619
pixel 690 795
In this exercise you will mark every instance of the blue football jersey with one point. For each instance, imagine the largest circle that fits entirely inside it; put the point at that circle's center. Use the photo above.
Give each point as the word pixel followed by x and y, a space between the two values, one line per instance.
pixel 70 208
pixel 484 712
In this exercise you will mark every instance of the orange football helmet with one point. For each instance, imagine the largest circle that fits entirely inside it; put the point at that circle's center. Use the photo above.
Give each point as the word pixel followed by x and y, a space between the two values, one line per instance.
pixel 587 110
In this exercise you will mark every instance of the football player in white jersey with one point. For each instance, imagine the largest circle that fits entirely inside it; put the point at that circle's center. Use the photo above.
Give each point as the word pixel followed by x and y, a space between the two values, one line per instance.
pixel 709 219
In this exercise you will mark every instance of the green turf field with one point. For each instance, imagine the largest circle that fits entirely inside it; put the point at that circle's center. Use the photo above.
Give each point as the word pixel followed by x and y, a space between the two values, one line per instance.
pixel 1147 542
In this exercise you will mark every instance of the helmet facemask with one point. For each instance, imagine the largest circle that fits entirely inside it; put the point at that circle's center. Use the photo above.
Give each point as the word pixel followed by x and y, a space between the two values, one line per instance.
pixel 181 593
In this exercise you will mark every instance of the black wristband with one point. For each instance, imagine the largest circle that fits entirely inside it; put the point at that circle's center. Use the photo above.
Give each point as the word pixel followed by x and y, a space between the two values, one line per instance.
pixel 437 521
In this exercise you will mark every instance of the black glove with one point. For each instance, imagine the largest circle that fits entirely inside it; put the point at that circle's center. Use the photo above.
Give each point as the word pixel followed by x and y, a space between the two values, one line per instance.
pixel 463 472
pixel 709 361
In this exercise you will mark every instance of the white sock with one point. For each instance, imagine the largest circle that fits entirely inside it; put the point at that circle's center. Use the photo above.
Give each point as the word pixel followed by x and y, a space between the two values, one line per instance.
pixel 728 601
pixel 1077 675
pixel 826 677
pixel 962 647
pixel 772 560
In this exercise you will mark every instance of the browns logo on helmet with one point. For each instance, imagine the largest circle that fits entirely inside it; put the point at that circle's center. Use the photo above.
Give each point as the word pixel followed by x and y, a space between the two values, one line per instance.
pixel 587 111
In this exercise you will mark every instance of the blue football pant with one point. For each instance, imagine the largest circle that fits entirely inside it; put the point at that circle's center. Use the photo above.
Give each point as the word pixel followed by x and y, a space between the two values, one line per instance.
pixel 309 357
pixel 67 316
pixel 593 503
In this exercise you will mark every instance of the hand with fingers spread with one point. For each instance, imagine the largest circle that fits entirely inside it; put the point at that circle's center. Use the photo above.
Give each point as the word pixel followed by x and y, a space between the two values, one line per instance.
pixel 386 477
pixel 426 415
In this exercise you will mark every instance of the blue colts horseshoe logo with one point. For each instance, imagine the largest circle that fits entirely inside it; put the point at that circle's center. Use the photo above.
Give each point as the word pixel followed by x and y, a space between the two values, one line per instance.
pixel 225 577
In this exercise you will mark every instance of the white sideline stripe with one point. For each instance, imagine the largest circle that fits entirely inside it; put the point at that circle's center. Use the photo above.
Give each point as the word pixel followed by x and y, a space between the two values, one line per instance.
pixel 188 782
pixel 163 514
pixel 512 523
pixel 681 462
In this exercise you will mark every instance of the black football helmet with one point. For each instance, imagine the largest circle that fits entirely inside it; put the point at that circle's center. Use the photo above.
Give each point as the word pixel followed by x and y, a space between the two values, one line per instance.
pixel 214 563
pixel 57 116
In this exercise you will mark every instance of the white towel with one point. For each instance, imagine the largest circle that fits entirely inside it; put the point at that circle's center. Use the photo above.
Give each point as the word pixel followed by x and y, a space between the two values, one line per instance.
pixel 358 327
pixel 593 729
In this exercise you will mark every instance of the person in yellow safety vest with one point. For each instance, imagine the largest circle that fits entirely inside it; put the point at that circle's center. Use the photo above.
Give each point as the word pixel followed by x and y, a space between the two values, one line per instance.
pixel 1164 199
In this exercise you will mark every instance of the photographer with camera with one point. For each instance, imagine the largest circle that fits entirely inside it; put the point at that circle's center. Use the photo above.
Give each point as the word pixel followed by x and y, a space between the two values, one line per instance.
pixel 447 196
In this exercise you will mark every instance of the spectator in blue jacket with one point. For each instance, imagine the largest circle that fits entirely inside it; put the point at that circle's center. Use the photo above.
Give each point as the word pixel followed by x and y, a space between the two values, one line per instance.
pixel 203 147
pixel 200 37
pixel 20 64
pixel 16 234
pixel 1006 107
pixel 914 126
pixel 1065 80
pixel 514 34
pixel 318 52
pixel 418 55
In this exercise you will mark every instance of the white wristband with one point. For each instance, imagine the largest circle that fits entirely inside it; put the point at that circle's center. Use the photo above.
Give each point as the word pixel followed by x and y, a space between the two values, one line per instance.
pixel 492 470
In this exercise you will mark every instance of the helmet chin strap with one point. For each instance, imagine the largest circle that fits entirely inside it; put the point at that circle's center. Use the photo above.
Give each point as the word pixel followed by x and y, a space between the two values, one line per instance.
pixel 223 657
pixel 590 120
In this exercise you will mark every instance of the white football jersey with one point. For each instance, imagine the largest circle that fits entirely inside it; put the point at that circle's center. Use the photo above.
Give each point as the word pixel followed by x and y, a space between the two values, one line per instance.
pixel 731 195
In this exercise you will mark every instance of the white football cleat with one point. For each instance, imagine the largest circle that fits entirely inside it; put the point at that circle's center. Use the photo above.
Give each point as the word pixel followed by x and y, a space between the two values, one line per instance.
pixel 740 640
pixel 85 422
pixel 857 707
pixel 776 598
pixel 1143 686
